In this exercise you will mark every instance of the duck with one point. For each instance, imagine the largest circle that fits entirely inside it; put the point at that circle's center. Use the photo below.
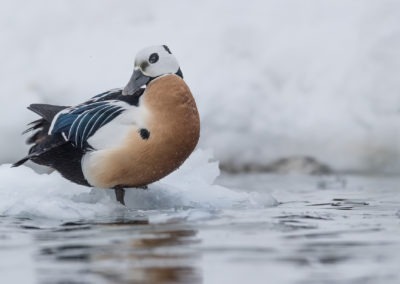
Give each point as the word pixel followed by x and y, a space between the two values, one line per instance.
pixel 123 138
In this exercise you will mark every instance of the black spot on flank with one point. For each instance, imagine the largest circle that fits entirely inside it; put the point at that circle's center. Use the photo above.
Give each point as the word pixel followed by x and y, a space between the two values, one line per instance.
pixel 167 49
pixel 144 133
pixel 153 58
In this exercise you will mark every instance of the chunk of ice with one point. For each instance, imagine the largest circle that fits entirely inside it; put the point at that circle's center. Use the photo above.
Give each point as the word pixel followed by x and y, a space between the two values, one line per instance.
pixel 23 192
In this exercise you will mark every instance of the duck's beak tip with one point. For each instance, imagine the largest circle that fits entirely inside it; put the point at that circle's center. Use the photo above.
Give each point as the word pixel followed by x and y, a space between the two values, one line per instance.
pixel 138 79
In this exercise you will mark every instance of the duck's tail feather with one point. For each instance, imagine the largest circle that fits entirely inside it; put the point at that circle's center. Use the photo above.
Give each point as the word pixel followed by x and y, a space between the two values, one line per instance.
pixel 21 162
pixel 40 140
pixel 52 150
pixel 40 147
pixel 41 126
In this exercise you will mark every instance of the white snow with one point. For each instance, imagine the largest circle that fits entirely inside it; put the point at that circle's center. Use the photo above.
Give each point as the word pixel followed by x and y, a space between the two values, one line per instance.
pixel 26 193
pixel 271 78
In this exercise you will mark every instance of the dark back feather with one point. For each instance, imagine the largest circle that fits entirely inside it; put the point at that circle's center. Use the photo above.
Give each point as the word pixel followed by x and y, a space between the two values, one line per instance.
pixel 48 112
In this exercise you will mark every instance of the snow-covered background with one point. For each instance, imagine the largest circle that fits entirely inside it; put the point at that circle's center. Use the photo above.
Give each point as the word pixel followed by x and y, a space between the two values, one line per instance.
pixel 272 79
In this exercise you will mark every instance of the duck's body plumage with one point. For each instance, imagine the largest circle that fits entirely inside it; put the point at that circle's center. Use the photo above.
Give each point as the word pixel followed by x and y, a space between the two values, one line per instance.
pixel 172 124
pixel 121 138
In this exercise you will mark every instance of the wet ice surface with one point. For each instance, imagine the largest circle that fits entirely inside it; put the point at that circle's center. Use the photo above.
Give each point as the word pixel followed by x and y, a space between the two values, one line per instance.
pixel 325 230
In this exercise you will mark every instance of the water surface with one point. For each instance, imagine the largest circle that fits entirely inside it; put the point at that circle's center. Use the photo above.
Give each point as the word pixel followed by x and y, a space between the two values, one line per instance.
pixel 324 230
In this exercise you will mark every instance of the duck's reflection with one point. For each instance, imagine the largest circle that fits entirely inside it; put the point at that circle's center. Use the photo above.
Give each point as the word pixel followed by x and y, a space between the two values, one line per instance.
pixel 155 256
pixel 139 254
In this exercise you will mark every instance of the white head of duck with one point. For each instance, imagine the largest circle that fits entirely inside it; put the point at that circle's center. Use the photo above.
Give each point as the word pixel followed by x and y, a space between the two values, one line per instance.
pixel 150 63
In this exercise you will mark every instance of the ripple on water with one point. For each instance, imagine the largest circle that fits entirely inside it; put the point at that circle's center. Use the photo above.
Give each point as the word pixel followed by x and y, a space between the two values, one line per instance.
pixel 332 235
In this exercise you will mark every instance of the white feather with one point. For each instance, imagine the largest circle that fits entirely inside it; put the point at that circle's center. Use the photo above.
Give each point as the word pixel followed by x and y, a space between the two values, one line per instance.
pixel 114 133
pixel 55 119
pixel 100 117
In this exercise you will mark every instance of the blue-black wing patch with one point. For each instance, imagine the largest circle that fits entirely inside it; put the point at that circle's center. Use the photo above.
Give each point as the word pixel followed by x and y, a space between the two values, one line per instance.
pixel 79 123
pixel 116 94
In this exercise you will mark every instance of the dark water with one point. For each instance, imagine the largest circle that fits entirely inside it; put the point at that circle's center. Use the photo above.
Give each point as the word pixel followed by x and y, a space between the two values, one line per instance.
pixel 325 230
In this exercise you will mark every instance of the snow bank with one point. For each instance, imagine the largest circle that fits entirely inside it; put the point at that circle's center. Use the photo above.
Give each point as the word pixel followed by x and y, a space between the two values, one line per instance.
pixel 25 193
pixel 272 78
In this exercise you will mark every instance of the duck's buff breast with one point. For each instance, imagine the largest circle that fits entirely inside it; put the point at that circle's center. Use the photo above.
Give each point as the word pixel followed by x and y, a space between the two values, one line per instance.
pixel 173 125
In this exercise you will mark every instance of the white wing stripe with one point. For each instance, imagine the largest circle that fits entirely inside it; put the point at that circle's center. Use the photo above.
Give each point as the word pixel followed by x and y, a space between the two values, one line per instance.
pixel 76 120
pixel 93 112
pixel 79 125
pixel 99 118
pixel 99 110
pixel 110 115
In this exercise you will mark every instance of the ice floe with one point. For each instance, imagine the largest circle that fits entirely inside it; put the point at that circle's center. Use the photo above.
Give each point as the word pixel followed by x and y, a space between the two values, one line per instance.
pixel 23 192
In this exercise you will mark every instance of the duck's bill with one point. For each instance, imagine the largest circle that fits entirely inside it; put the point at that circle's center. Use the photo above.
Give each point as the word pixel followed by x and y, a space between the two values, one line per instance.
pixel 137 81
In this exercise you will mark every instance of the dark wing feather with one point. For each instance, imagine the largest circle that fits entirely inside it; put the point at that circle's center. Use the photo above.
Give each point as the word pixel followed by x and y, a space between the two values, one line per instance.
pixel 40 139
pixel 34 125
pixel 48 147
pixel 78 124
pixel 116 94
pixel 48 112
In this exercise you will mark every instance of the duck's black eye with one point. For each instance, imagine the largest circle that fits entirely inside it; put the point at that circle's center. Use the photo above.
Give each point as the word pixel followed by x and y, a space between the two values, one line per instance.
pixel 153 58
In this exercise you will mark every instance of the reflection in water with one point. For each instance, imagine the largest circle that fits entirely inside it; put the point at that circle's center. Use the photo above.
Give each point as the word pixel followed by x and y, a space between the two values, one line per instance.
pixel 124 252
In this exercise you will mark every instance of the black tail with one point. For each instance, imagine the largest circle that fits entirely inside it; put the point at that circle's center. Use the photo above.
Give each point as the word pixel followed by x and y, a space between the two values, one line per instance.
pixel 41 140
pixel 52 150
pixel 20 162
